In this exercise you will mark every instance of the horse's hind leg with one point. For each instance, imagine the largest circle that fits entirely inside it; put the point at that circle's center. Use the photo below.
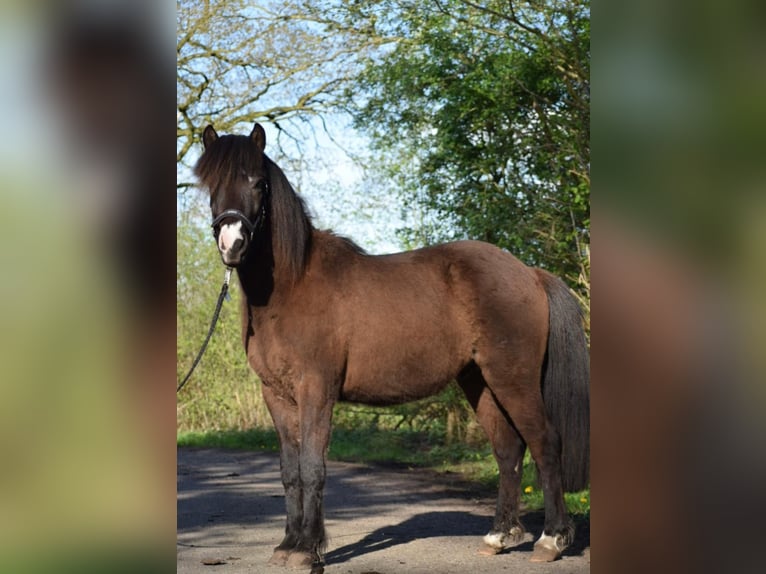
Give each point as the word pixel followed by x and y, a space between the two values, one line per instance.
pixel 515 385
pixel 508 448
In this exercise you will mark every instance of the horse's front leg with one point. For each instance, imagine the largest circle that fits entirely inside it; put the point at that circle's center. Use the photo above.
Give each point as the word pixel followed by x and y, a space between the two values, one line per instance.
pixel 285 417
pixel 315 404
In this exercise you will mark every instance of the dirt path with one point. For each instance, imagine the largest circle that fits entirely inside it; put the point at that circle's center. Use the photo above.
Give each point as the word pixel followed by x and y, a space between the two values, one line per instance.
pixel 380 520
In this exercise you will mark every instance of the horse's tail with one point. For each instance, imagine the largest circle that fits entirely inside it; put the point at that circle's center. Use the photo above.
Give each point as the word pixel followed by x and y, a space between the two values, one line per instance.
pixel 566 382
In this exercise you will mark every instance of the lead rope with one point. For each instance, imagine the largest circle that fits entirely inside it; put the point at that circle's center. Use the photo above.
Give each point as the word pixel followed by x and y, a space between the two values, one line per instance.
pixel 219 304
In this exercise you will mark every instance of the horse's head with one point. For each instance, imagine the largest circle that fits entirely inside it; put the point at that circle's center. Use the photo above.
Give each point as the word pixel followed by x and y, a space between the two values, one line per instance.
pixel 233 169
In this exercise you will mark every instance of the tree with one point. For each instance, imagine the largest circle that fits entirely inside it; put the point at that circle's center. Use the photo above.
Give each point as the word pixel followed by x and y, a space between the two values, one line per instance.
pixel 282 62
pixel 482 113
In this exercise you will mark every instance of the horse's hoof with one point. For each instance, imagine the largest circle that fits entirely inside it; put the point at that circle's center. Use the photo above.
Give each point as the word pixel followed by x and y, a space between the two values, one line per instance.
pixel 302 560
pixel 487 550
pixel 494 542
pixel 279 558
pixel 541 554
pixel 548 548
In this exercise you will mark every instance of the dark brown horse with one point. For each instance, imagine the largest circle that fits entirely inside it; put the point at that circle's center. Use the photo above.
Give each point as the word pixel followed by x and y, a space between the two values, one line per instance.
pixel 323 322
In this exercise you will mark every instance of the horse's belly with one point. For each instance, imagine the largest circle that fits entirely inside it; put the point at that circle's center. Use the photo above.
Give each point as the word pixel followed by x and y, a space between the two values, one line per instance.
pixel 399 376
pixel 391 391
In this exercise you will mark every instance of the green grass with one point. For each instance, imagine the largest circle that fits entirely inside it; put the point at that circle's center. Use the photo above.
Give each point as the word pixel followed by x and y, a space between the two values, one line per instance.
pixel 253 439
pixel 413 448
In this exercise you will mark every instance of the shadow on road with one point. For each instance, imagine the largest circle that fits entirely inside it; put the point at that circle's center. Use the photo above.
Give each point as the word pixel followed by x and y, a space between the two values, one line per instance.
pixel 435 524
pixel 426 525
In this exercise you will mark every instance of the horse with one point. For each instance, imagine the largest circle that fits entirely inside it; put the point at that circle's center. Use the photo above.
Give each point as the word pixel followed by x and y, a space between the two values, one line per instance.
pixel 323 321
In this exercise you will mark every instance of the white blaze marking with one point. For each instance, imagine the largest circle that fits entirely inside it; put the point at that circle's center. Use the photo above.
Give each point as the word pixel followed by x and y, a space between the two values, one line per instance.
pixel 229 234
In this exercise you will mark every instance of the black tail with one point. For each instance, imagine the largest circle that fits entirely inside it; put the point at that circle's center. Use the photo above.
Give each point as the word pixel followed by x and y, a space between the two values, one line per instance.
pixel 566 382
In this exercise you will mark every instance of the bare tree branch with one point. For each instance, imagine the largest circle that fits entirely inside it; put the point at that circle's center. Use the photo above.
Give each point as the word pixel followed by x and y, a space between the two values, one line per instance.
pixel 274 61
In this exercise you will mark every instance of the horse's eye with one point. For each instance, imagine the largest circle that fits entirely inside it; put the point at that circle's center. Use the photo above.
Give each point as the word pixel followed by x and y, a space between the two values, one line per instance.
pixel 257 183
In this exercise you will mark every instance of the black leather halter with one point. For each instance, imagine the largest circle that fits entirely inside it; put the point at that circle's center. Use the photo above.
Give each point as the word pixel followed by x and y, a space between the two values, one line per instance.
pixel 251 226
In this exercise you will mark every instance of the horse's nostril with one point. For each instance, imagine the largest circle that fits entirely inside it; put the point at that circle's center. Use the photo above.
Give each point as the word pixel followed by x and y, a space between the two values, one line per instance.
pixel 237 245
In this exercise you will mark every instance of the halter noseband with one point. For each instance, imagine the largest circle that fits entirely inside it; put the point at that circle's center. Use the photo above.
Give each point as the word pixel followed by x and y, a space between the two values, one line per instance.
pixel 251 226
pixel 237 214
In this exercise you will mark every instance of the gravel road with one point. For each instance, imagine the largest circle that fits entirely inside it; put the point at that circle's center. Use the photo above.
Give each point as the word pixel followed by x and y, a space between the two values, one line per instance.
pixel 380 520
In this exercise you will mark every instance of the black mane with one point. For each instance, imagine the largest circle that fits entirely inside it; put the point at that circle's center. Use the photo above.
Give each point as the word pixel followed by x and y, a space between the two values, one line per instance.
pixel 290 224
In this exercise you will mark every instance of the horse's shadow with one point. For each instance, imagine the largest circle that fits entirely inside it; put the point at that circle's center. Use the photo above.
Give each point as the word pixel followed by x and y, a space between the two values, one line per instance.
pixel 452 523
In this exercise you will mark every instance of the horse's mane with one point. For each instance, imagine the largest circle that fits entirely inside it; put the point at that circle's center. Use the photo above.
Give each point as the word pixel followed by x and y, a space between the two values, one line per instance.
pixel 290 224
pixel 287 217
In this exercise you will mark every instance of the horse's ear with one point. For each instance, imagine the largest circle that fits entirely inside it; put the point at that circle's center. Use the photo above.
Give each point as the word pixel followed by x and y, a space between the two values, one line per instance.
pixel 258 135
pixel 209 136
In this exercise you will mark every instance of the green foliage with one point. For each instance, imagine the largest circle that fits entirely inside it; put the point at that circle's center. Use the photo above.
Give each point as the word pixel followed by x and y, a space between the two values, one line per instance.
pixel 446 416
pixel 482 118
pixel 253 439
pixel 223 392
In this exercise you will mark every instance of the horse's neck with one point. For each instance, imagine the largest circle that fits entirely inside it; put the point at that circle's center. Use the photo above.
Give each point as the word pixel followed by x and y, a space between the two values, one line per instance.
pixel 260 276
pixel 262 283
